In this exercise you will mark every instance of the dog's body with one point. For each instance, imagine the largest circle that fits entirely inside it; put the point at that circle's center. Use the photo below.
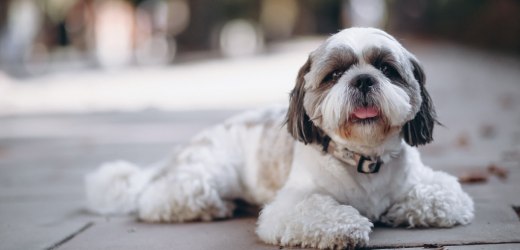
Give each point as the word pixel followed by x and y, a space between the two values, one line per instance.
pixel 306 164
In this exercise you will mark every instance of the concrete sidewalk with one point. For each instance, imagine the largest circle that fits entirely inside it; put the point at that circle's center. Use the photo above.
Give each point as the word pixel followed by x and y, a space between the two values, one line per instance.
pixel 43 159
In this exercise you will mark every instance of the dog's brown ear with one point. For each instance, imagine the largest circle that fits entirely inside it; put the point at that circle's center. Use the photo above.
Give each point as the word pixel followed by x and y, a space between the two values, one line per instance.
pixel 298 122
pixel 419 130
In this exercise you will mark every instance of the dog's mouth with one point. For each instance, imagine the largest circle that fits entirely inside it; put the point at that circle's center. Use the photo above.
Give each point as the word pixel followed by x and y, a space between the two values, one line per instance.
pixel 365 114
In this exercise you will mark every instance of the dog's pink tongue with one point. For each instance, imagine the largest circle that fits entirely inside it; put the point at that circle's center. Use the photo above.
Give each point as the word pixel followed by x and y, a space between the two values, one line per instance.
pixel 365 112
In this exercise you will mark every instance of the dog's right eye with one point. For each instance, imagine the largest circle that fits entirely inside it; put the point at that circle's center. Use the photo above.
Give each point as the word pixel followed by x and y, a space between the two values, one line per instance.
pixel 388 70
pixel 333 76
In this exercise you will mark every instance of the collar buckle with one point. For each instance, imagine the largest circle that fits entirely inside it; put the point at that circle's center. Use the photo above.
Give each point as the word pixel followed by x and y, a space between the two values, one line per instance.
pixel 367 165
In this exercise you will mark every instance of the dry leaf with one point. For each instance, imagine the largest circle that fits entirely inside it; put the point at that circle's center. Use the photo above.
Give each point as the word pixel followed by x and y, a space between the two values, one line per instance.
pixel 462 141
pixel 473 177
pixel 500 172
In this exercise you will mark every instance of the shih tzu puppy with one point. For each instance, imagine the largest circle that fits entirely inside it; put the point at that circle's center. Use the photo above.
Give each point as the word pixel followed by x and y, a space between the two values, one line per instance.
pixel 340 157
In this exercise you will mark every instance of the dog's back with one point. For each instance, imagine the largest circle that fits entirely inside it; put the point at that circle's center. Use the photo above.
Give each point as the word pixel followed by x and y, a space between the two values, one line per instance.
pixel 246 157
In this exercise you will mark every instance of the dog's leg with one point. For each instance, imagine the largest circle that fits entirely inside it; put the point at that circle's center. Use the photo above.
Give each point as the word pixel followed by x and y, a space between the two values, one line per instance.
pixel 189 192
pixel 316 220
pixel 436 200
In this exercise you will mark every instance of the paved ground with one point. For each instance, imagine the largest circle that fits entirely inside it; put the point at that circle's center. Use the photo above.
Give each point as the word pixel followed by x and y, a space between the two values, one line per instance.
pixel 43 159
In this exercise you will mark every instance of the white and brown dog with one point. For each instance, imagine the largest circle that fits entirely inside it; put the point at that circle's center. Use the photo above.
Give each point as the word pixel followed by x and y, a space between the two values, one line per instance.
pixel 340 156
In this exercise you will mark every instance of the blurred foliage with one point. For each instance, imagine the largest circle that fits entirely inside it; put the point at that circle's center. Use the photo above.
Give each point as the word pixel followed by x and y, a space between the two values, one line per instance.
pixel 71 28
pixel 493 24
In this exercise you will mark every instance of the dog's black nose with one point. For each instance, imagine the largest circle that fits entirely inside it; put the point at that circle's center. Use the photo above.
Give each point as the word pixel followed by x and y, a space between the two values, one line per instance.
pixel 363 82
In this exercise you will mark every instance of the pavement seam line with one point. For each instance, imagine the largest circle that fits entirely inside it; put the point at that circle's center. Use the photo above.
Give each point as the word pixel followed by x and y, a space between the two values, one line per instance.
pixel 517 210
pixel 434 246
pixel 71 236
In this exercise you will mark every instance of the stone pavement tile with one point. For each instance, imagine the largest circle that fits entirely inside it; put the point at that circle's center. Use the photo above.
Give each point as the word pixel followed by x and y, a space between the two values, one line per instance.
pixel 24 236
pixel 112 127
pixel 42 198
pixel 39 224
pixel 492 224
pixel 126 233
pixel 513 246
pixel 496 190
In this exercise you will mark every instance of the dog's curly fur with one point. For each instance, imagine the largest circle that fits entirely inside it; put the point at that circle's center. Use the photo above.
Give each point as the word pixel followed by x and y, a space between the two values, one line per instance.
pixel 275 157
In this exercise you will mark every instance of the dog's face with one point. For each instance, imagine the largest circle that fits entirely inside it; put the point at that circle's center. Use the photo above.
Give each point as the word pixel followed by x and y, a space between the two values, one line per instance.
pixel 361 87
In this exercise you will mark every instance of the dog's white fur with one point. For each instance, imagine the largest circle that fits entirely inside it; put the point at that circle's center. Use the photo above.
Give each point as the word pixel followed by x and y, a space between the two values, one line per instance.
pixel 310 198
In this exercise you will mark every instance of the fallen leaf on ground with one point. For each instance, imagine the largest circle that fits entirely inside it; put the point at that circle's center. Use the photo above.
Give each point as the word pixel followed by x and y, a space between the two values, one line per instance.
pixel 500 172
pixel 462 141
pixel 473 177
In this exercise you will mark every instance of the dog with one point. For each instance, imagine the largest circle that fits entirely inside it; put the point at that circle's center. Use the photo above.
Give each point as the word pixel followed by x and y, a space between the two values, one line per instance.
pixel 341 156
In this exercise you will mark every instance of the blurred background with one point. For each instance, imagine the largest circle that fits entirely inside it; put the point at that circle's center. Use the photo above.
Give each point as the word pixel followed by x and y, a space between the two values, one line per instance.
pixel 97 55
pixel 39 36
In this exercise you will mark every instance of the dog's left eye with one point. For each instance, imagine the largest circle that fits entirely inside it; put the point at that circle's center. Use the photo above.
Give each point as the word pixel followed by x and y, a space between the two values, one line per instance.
pixel 334 76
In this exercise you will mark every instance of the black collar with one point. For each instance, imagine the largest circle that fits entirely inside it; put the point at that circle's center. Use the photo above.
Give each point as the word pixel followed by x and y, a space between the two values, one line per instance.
pixel 365 164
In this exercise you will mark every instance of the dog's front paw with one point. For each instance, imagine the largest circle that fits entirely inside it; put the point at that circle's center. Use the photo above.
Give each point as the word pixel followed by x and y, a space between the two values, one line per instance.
pixel 351 235
pixel 347 230
pixel 432 205
pixel 317 222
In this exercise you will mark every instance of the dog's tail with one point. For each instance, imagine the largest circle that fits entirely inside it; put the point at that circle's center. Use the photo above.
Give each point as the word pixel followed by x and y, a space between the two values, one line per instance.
pixel 115 186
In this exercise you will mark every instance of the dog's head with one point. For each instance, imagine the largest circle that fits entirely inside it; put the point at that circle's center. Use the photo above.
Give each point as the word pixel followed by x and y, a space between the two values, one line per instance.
pixel 361 87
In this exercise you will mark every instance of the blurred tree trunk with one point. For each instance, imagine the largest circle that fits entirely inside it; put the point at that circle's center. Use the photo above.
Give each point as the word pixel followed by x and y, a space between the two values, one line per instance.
pixel 3 13
pixel 208 17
